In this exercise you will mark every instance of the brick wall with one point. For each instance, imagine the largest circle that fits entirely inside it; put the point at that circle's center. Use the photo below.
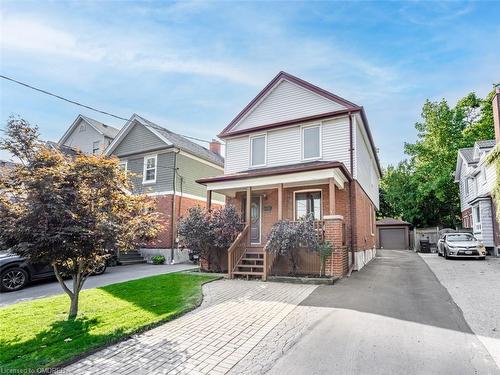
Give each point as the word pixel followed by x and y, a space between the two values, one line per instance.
pixel 364 222
pixel 164 206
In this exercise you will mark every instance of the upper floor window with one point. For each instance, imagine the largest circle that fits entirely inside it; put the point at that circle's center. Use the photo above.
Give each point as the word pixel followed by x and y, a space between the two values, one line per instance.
pixel 258 151
pixel 82 128
pixel 483 174
pixel 311 140
pixel 308 203
pixel 96 146
pixel 150 163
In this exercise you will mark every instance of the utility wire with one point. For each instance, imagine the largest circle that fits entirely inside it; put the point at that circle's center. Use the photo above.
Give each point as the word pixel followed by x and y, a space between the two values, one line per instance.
pixel 82 105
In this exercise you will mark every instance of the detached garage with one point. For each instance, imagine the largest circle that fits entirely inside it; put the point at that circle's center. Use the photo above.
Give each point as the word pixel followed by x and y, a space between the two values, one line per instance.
pixel 393 234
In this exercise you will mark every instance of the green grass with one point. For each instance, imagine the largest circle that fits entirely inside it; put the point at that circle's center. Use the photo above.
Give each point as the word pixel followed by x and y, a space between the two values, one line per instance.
pixel 37 334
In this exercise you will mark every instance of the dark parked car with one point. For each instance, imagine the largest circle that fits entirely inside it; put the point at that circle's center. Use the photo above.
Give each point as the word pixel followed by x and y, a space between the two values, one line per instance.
pixel 16 272
pixel 460 245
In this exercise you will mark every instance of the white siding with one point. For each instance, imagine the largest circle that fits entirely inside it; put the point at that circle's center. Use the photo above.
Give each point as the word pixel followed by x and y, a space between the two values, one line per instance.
pixel 83 140
pixel 366 172
pixel 486 187
pixel 486 233
pixel 287 101
pixel 336 141
pixel 237 154
pixel 284 146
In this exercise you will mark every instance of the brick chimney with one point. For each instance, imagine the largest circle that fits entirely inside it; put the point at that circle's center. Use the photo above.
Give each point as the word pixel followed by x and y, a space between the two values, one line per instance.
pixel 496 113
pixel 215 146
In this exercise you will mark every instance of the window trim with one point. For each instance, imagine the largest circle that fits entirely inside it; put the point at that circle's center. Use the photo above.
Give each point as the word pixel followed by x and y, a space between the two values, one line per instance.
pixel 125 164
pixel 146 158
pixel 250 140
pixel 308 191
pixel 302 148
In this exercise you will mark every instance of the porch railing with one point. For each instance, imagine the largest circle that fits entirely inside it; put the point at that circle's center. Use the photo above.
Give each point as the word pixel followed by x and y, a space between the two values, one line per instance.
pixel 319 228
pixel 237 250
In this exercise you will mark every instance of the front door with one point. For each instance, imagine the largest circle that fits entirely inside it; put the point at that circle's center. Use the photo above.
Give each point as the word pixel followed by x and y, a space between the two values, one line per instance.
pixel 255 211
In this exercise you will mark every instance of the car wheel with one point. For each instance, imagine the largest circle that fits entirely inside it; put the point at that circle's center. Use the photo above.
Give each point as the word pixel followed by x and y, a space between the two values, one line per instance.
pixel 13 279
pixel 100 269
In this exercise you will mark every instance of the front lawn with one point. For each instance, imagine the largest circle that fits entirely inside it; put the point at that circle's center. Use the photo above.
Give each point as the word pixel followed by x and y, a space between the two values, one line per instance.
pixel 37 334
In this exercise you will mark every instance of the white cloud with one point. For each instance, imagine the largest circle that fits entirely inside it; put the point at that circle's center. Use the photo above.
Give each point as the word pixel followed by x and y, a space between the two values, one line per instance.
pixel 31 35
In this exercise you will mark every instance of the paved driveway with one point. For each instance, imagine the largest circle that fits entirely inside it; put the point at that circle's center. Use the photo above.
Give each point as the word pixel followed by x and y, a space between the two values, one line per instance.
pixel 392 317
pixel 111 276
pixel 234 317
pixel 475 287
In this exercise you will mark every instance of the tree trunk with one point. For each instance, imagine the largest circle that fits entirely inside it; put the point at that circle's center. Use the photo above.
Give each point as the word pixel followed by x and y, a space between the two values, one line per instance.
pixel 73 310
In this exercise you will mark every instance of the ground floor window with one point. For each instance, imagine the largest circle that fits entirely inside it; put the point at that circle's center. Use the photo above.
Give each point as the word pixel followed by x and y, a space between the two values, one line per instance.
pixel 308 203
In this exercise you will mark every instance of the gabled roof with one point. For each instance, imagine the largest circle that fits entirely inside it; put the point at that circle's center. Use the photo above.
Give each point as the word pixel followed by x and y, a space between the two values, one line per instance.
pixel 106 130
pixel 170 138
pixel 349 106
pixel 467 154
pixel 489 143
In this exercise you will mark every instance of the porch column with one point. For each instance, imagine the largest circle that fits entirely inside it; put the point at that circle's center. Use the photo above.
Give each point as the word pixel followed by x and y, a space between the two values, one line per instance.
pixel 331 190
pixel 280 202
pixel 338 263
pixel 248 212
pixel 209 200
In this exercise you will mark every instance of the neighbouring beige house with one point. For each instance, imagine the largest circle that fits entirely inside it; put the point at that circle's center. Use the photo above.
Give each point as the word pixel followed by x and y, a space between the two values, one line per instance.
pixel 297 149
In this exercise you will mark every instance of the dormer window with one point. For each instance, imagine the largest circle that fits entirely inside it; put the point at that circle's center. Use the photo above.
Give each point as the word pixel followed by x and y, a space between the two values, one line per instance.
pixel 258 151
pixel 311 142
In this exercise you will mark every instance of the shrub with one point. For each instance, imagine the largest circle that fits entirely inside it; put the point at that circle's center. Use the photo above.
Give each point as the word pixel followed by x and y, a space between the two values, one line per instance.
pixel 287 238
pixel 158 259
pixel 209 234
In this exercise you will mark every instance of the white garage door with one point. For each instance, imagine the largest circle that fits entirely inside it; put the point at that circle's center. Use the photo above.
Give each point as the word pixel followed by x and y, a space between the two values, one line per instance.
pixel 393 238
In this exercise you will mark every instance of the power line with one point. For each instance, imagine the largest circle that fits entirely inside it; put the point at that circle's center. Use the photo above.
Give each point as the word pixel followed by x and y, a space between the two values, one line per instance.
pixel 81 104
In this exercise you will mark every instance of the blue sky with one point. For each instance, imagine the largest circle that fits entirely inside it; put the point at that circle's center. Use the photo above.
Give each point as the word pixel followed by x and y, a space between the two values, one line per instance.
pixel 192 66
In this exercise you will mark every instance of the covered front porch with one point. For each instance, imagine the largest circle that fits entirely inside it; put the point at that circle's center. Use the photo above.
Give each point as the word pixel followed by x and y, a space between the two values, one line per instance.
pixel 268 195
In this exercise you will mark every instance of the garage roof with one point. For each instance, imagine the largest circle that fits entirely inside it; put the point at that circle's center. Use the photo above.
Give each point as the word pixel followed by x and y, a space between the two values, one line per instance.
pixel 388 221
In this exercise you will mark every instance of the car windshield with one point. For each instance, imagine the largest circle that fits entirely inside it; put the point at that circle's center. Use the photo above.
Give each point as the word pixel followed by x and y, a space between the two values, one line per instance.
pixel 460 237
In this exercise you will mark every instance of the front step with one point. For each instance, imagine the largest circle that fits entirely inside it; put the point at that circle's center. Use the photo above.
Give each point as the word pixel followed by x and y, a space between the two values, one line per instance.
pixel 131 257
pixel 251 265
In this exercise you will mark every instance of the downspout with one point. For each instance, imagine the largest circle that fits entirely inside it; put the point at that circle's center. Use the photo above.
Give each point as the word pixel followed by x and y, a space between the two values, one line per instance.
pixel 173 215
pixel 351 192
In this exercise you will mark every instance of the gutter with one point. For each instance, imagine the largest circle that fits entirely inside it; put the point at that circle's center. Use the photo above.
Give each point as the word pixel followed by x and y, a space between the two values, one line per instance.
pixel 351 191
pixel 173 216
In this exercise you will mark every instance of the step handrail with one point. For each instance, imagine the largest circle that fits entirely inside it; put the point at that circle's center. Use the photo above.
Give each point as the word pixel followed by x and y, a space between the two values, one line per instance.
pixel 237 250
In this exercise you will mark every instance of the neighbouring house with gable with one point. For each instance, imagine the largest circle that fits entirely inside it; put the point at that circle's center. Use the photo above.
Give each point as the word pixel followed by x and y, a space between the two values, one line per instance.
pixel 88 135
pixel 476 180
pixel 166 165
pixel 298 150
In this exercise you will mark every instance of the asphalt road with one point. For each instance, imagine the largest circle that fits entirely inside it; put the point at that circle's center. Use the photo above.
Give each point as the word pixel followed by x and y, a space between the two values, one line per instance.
pixel 392 317
pixel 111 276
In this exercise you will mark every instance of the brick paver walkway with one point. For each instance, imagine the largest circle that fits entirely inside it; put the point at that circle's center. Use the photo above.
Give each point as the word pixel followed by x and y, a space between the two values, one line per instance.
pixel 234 317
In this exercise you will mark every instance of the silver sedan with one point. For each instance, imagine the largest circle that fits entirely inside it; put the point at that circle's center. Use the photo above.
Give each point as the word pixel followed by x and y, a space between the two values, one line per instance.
pixel 457 245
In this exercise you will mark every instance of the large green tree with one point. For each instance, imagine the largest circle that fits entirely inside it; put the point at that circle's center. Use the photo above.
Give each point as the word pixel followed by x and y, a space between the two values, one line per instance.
pixel 422 189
